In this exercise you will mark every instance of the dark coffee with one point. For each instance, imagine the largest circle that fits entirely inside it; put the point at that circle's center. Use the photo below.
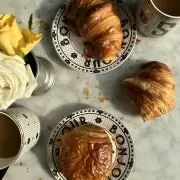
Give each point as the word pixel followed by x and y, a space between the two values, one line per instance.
pixel 169 7
pixel 10 138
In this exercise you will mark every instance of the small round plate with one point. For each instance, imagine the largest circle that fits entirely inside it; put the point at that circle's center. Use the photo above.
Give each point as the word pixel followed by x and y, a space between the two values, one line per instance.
pixel 70 48
pixel 123 154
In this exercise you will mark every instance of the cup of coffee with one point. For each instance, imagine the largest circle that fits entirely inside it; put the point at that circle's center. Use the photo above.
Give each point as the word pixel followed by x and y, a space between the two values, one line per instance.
pixel 19 132
pixel 155 18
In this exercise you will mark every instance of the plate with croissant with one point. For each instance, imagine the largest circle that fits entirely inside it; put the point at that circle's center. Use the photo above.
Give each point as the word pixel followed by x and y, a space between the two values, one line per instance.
pixel 90 144
pixel 93 36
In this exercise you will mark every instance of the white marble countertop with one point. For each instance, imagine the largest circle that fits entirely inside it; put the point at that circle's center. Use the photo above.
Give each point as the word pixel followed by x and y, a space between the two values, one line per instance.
pixel 157 143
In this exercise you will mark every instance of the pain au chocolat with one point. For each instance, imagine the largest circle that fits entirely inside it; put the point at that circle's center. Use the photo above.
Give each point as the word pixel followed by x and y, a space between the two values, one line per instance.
pixel 152 89
pixel 98 23
pixel 86 154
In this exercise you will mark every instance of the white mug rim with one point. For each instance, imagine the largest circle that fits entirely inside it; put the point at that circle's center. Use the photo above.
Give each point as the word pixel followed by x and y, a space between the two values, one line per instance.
pixel 21 136
pixel 165 14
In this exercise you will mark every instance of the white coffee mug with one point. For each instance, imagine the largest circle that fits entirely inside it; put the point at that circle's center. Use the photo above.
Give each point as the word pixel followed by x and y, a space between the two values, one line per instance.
pixel 19 132
pixel 155 18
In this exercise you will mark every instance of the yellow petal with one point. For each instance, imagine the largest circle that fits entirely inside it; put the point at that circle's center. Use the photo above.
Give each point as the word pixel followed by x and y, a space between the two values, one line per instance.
pixel 23 51
pixel 30 36
pixel 4 18
pixel 31 40
pixel 16 34
pixel 10 34
pixel 5 23
pixel 13 40
pixel 5 43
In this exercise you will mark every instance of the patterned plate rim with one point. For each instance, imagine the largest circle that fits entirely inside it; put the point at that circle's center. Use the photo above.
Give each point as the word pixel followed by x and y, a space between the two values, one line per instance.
pixel 58 175
pixel 116 63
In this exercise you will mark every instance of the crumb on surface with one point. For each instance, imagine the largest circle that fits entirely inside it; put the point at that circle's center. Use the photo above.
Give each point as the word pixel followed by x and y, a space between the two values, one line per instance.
pixel 103 99
pixel 20 163
pixel 138 41
pixel 49 128
pixel 44 25
pixel 86 55
pixel 86 92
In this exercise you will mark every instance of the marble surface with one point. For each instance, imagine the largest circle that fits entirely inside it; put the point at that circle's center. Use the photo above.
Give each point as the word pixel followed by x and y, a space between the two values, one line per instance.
pixel 157 143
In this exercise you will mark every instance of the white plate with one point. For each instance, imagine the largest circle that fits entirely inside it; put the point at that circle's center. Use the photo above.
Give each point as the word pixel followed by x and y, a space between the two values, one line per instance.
pixel 70 48
pixel 123 145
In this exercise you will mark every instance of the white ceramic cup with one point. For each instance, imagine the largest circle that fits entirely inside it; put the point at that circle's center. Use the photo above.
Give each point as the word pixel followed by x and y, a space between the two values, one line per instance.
pixel 28 128
pixel 155 18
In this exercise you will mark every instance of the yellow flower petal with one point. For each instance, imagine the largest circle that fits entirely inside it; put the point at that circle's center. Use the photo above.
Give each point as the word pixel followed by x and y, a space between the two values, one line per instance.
pixel 16 35
pixel 4 18
pixel 31 40
pixel 10 34
pixel 5 43
pixel 30 36
pixel 13 40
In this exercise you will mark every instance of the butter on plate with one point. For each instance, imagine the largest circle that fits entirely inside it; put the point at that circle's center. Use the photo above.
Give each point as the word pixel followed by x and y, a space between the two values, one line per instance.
pixel 13 39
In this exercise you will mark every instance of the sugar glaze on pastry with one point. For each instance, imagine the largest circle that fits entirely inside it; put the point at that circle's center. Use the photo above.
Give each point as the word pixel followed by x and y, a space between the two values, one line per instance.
pixel 86 154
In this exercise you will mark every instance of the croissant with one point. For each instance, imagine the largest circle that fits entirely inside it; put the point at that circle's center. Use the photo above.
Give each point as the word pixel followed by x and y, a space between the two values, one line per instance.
pixel 98 23
pixel 152 89
pixel 86 154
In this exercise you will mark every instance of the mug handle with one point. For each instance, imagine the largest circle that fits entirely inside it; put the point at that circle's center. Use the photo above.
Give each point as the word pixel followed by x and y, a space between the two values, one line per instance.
pixel 3 172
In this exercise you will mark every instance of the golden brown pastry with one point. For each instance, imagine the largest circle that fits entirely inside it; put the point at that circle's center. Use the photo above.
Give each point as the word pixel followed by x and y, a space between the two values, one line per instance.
pixel 98 22
pixel 152 90
pixel 86 154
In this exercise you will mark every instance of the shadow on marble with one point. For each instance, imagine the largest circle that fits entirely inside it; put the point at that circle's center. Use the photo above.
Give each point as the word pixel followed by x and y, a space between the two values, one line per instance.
pixel 40 149
pixel 48 122
pixel 15 105
pixel 132 4
pixel 111 86
pixel 46 13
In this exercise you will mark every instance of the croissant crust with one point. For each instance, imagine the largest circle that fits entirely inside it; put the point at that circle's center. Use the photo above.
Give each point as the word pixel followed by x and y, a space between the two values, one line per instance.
pixel 86 154
pixel 98 23
pixel 152 89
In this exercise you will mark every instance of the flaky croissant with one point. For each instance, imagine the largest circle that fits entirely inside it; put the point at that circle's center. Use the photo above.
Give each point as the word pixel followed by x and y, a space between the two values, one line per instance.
pixel 152 90
pixel 86 154
pixel 98 22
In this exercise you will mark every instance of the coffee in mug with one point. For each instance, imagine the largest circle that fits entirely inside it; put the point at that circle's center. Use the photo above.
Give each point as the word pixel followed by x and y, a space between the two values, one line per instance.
pixel 155 18
pixel 169 7
pixel 10 138
pixel 19 132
